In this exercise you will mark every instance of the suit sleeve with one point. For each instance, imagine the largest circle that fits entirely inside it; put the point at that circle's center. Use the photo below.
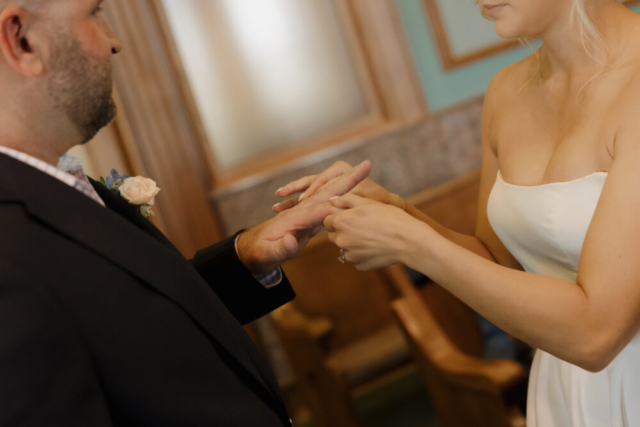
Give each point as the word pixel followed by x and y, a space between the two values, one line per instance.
pixel 46 375
pixel 243 295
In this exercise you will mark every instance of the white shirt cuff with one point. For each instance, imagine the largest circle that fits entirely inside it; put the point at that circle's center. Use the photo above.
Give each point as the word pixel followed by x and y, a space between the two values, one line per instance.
pixel 268 280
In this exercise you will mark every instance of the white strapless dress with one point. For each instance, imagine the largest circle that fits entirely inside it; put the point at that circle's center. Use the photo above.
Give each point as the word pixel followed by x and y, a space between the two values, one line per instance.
pixel 544 227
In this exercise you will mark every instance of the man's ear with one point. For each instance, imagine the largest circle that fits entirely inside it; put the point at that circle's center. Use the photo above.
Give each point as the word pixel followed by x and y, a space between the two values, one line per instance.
pixel 19 45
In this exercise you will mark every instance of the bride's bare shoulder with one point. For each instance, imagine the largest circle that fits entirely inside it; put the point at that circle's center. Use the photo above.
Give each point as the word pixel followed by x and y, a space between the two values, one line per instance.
pixel 504 88
pixel 508 81
pixel 623 82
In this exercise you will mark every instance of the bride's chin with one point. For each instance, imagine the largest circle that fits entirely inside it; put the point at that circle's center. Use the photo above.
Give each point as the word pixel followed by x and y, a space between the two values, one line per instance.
pixel 509 31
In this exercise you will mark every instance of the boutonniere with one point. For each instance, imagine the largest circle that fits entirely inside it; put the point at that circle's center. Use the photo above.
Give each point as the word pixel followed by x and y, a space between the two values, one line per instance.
pixel 137 190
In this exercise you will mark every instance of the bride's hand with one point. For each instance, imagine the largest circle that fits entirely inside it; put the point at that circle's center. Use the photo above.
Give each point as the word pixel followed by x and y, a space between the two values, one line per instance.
pixel 310 184
pixel 371 234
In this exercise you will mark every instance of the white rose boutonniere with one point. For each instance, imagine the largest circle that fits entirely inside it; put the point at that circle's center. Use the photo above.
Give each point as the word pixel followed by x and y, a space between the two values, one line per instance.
pixel 138 190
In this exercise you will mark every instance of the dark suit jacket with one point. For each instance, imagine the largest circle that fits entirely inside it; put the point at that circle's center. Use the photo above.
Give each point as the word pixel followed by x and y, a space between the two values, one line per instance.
pixel 104 323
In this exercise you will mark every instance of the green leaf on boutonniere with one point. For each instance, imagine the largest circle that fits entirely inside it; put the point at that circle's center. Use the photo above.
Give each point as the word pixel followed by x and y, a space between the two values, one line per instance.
pixel 103 182
pixel 146 211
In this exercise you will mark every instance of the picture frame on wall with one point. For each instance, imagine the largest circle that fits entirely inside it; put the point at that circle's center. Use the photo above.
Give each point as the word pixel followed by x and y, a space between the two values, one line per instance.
pixel 461 33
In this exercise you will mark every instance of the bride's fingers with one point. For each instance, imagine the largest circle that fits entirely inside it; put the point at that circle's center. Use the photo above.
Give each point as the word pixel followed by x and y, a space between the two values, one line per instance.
pixel 329 225
pixel 287 204
pixel 339 168
pixel 297 186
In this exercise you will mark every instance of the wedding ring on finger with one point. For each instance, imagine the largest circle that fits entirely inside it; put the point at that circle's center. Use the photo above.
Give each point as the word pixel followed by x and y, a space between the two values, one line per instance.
pixel 341 259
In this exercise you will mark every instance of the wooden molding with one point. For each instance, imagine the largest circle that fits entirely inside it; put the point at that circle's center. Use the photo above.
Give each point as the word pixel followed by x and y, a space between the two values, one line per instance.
pixel 389 58
pixel 277 160
pixel 182 84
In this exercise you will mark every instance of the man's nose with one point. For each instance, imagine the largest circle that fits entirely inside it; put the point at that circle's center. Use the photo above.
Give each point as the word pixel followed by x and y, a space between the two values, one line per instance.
pixel 117 46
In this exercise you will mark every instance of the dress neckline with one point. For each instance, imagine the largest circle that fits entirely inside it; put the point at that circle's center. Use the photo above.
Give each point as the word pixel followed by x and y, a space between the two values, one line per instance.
pixel 549 184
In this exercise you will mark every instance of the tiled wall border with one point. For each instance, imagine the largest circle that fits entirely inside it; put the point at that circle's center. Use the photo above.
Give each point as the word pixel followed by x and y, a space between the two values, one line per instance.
pixel 405 162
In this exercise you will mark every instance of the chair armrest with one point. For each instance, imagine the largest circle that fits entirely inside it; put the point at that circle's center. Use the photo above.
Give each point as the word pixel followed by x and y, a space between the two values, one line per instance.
pixel 400 282
pixel 438 354
pixel 289 319
pixel 472 372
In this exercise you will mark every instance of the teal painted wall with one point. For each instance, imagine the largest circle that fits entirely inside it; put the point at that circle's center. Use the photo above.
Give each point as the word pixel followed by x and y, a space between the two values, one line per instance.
pixel 443 88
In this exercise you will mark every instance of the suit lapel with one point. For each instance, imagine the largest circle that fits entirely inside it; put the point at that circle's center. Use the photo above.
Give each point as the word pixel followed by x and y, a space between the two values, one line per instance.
pixel 126 210
pixel 128 241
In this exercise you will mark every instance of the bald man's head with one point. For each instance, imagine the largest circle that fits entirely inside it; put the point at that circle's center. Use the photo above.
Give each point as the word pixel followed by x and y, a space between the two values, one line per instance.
pixel 59 52
pixel 27 4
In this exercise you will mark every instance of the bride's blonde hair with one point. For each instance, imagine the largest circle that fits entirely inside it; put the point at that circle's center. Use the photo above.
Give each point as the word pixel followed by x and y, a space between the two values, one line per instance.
pixel 589 34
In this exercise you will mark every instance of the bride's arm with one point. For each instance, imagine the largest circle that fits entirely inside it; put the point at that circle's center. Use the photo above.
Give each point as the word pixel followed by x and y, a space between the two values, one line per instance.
pixel 471 243
pixel 585 323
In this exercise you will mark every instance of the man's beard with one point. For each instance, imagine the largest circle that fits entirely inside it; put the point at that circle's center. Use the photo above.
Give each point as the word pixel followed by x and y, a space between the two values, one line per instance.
pixel 81 87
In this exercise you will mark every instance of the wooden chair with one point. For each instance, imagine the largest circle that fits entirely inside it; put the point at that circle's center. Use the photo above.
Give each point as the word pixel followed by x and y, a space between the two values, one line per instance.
pixel 339 333
pixel 447 345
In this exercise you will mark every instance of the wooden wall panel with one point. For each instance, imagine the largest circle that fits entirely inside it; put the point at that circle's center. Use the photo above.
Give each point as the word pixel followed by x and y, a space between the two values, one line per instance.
pixel 382 36
pixel 157 133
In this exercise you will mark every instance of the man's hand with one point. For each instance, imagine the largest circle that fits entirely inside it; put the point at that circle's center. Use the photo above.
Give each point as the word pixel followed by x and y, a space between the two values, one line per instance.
pixel 263 248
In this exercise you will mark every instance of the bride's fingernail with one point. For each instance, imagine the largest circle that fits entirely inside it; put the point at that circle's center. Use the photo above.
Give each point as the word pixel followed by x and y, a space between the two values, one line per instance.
pixel 301 196
pixel 333 198
pixel 273 208
pixel 278 190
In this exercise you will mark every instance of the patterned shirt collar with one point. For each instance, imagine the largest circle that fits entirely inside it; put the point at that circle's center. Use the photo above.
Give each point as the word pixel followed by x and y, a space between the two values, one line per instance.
pixel 70 170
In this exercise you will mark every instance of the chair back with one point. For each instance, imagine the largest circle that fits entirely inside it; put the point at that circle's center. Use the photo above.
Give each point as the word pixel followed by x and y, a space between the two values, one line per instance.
pixel 464 391
pixel 357 303
pixel 325 390
pixel 456 320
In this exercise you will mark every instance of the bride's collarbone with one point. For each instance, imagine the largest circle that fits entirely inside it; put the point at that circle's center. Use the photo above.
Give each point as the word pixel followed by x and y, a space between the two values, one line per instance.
pixel 538 141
